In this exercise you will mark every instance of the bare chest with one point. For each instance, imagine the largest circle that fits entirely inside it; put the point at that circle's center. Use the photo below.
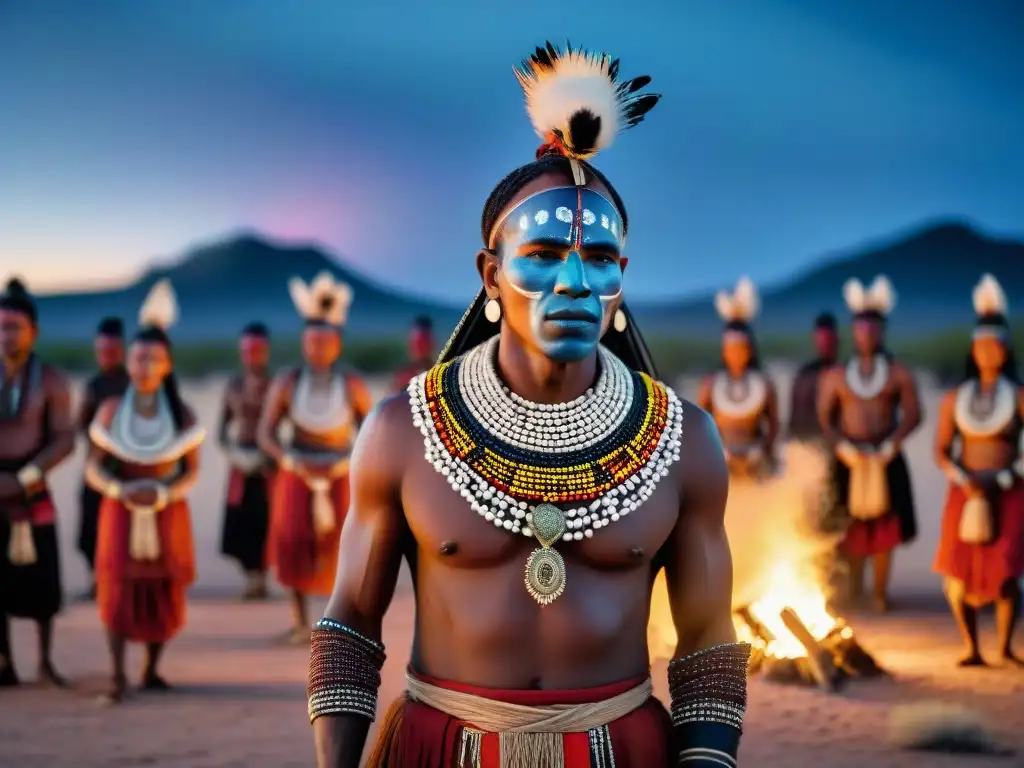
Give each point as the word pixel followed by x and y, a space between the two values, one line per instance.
pixel 447 529
pixel 23 433
pixel 245 401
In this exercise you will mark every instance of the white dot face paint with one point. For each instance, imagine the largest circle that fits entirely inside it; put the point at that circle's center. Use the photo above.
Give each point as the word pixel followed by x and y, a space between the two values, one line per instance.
pixel 566 265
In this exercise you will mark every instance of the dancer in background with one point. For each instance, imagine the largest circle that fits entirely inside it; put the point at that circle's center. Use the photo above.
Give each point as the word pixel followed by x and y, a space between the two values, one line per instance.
pixel 36 434
pixel 867 409
pixel 246 512
pixel 421 353
pixel 110 380
pixel 978 446
pixel 326 404
pixel 739 397
pixel 144 461
pixel 541 441
pixel 803 408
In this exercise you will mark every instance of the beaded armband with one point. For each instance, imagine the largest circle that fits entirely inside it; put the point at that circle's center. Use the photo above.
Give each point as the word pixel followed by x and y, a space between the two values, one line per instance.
pixel 709 697
pixel 344 671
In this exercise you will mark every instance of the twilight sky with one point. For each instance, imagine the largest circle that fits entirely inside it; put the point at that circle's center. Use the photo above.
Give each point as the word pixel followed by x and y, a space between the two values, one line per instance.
pixel 130 130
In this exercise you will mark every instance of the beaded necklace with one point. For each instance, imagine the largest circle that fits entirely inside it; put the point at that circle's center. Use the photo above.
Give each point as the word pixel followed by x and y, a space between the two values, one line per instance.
pixel 871 386
pixel 985 415
pixel 552 471
pixel 740 397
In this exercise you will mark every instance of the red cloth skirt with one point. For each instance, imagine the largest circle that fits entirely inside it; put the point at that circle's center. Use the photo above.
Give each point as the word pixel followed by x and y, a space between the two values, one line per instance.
pixel 865 538
pixel 418 736
pixel 983 568
pixel 302 559
pixel 144 601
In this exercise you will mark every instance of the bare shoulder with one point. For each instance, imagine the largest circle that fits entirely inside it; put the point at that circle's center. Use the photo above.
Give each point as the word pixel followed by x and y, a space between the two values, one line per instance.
pixel 54 381
pixel 284 381
pixel 702 473
pixel 388 437
pixel 105 413
pixel 901 373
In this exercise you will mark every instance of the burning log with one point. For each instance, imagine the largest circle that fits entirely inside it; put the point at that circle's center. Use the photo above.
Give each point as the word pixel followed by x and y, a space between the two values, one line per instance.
pixel 819 660
pixel 825 662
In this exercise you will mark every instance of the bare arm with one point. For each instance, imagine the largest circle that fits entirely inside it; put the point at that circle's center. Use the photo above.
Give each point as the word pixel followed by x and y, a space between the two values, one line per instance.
pixel 829 390
pixel 275 406
pixel 61 425
pixel 360 398
pixel 96 475
pixel 771 420
pixel 704 394
pixel 698 563
pixel 226 416
pixel 184 482
pixel 371 554
pixel 87 410
pixel 910 405
pixel 945 434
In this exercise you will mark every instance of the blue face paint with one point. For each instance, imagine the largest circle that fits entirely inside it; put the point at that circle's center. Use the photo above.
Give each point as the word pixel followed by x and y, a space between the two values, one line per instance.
pixel 560 249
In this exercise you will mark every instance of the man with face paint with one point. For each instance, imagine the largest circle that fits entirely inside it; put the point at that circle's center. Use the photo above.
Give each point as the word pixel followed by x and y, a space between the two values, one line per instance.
pixel 325 404
pixel 867 409
pixel 803 413
pixel 144 460
pixel 36 434
pixel 246 512
pixel 110 380
pixel 979 445
pixel 739 397
pixel 532 481
pixel 421 353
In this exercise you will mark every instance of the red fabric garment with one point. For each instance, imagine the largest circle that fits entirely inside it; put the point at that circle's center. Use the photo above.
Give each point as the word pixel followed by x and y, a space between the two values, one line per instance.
pixel 983 568
pixel 865 538
pixel 302 559
pixel 428 738
pixel 39 510
pixel 236 487
pixel 144 601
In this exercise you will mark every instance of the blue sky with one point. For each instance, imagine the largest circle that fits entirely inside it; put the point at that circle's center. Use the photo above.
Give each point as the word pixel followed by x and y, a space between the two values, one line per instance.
pixel 130 130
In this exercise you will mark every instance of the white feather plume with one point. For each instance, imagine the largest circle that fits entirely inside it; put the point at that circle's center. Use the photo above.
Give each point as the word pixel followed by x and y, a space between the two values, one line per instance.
pixel 881 295
pixel 324 299
pixel 988 297
pixel 854 296
pixel 160 308
pixel 566 91
pixel 742 304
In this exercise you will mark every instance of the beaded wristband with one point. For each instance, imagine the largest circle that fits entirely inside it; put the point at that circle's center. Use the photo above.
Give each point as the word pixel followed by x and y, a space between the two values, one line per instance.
pixel 344 671
pixel 710 686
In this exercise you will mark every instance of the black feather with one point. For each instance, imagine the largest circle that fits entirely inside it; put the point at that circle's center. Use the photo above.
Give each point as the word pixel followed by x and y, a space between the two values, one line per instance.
pixel 634 85
pixel 584 128
pixel 613 70
pixel 637 109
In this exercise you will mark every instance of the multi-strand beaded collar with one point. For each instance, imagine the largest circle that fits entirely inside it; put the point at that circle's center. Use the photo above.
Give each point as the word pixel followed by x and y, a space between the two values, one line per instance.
pixel 559 471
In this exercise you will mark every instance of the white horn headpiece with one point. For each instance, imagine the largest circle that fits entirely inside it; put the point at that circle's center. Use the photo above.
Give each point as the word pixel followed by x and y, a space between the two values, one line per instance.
pixel 325 299
pixel 160 308
pixel 742 305
pixel 880 297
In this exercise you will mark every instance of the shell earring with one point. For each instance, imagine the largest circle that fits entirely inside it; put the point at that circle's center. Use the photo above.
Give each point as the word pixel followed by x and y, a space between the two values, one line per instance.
pixel 619 321
pixel 492 310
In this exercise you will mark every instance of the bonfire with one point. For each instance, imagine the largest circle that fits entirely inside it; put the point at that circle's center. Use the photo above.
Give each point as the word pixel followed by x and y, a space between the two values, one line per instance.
pixel 796 638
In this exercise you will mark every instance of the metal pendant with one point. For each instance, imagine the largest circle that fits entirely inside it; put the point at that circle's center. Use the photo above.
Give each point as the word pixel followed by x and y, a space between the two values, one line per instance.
pixel 545 568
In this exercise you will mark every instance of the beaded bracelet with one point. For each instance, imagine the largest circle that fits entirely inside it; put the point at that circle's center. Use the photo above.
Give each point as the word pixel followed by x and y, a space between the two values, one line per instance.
pixel 344 671
pixel 710 686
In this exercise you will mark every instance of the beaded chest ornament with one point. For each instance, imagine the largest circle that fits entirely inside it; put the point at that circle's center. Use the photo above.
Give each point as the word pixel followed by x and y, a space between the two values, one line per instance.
pixel 551 471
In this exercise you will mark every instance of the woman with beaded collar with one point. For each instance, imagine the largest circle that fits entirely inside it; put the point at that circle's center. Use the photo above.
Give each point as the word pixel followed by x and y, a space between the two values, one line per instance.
pixel 867 408
pixel 550 451
pixel 979 444
pixel 739 397
pixel 325 404
pixel 144 459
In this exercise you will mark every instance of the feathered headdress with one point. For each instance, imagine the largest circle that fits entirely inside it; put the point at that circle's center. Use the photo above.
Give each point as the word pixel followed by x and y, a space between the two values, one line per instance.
pixel 989 299
pixel 324 300
pixel 739 307
pixel 160 309
pixel 576 102
pixel 876 301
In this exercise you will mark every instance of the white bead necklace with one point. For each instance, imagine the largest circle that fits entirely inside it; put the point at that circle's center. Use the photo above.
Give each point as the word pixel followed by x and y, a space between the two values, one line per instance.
pixel 750 398
pixel 548 430
pixel 975 421
pixel 870 387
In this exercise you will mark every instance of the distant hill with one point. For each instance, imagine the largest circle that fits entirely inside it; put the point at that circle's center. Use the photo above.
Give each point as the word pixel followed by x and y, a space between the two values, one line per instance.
pixel 223 286
pixel 933 269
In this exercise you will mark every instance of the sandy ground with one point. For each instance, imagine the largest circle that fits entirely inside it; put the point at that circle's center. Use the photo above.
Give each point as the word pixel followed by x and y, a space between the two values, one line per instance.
pixel 240 700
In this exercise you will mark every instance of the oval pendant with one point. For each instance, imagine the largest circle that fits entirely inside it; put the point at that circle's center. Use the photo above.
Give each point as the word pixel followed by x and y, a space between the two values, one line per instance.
pixel 545 575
